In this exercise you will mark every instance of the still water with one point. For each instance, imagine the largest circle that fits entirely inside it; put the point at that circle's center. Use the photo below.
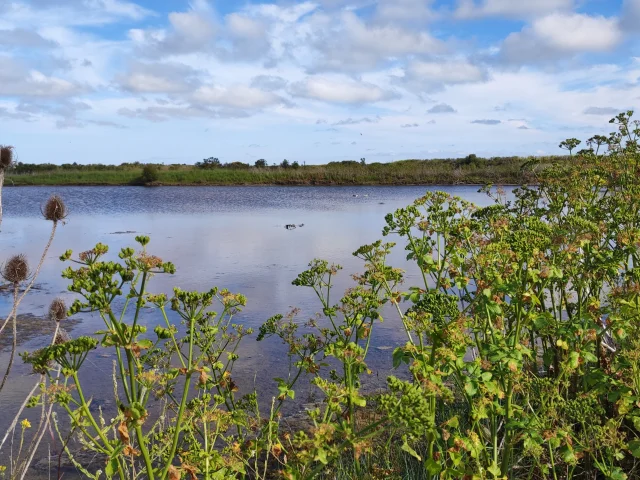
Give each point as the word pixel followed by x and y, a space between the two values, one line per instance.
pixel 230 237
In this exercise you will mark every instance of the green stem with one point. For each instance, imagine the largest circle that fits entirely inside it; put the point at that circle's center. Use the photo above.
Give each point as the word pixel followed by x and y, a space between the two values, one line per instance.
pixel 183 404
pixel 87 413
pixel 142 443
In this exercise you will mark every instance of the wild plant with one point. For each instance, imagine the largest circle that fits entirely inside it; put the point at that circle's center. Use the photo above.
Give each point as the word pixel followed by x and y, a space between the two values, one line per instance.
pixel 521 340
pixel 20 279
pixel 521 356
pixel 178 409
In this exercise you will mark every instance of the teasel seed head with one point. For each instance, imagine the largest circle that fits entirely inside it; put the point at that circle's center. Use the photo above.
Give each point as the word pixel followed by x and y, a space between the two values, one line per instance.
pixel 57 310
pixel 16 269
pixel 55 209
pixel 62 337
pixel 6 156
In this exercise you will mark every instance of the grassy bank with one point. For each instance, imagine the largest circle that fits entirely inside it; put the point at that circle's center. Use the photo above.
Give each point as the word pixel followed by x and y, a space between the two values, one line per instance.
pixel 470 170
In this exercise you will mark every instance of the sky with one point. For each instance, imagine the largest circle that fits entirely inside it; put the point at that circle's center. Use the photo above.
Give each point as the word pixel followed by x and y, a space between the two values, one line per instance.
pixel 173 81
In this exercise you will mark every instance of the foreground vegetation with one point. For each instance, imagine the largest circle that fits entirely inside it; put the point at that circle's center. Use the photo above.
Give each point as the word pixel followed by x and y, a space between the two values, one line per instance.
pixel 468 170
pixel 521 360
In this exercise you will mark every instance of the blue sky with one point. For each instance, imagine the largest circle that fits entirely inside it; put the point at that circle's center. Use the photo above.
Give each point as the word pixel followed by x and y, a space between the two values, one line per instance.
pixel 114 81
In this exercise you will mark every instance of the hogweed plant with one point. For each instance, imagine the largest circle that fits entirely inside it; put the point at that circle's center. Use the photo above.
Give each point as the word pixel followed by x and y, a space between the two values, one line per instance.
pixel 520 358
pixel 178 409
pixel 521 339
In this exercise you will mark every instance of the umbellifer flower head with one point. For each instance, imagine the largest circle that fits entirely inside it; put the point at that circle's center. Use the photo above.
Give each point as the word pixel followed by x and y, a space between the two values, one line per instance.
pixel 57 310
pixel 6 156
pixel 16 270
pixel 55 209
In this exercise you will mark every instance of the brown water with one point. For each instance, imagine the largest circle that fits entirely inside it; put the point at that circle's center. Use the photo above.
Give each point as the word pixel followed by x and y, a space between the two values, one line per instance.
pixel 231 237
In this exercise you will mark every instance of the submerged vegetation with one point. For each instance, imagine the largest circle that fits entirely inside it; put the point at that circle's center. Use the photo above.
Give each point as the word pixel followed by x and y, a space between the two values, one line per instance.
pixel 468 170
pixel 521 359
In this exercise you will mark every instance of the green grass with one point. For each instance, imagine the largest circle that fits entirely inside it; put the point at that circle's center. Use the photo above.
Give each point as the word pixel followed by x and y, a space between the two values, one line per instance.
pixel 405 172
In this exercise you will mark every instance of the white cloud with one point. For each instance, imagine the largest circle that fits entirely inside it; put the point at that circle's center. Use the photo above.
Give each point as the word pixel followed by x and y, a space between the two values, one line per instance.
pixel 339 91
pixel 71 12
pixel 237 96
pixel 405 10
pixel 559 35
pixel 244 27
pixel 347 43
pixel 119 8
pixel 190 31
pixel 269 83
pixel 510 8
pixel 487 122
pixel 359 70
pixel 578 32
pixel 602 111
pixel 159 78
pixel 20 37
pixel 184 112
pixel 356 121
pixel 430 76
pixel 442 108
pixel 17 81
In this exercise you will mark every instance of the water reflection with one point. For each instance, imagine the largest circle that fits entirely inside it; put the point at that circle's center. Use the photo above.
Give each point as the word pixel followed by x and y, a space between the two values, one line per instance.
pixel 232 237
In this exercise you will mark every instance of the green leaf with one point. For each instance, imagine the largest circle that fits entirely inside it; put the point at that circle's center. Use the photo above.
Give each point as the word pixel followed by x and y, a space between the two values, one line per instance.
pixel 634 447
pixel 453 422
pixel 399 356
pixel 321 456
pixel 486 376
pixel 617 474
pixel 574 359
pixel 567 454
pixel 145 344
pixel 494 470
pixel 471 388
pixel 433 468
pixel 111 467
pixel 407 448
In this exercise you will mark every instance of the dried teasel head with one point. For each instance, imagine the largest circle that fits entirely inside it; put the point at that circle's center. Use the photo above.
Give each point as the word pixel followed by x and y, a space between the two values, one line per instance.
pixel 6 156
pixel 16 270
pixel 61 337
pixel 57 310
pixel 55 209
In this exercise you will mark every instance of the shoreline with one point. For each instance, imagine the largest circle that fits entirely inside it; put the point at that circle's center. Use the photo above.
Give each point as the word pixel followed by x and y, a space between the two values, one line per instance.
pixel 160 185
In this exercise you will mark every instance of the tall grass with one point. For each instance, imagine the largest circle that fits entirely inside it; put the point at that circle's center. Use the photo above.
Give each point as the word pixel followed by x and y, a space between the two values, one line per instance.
pixel 425 172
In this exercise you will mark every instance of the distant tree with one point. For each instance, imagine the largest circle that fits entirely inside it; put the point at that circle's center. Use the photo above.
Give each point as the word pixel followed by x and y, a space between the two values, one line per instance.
pixel 570 144
pixel 285 163
pixel 363 161
pixel 262 163
pixel 211 162
pixel 295 164
pixel 150 174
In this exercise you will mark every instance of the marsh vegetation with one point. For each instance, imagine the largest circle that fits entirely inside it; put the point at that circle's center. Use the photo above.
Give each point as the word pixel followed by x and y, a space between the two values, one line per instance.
pixel 520 356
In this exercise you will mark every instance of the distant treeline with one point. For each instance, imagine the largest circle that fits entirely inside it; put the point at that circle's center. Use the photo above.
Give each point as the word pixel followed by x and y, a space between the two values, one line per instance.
pixel 211 171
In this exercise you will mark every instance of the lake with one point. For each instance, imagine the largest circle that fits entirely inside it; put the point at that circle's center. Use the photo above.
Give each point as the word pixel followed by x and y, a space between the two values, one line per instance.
pixel 231 237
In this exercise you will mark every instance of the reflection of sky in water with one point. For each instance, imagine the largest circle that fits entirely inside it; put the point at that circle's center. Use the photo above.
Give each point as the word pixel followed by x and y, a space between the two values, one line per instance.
pixel 231 237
